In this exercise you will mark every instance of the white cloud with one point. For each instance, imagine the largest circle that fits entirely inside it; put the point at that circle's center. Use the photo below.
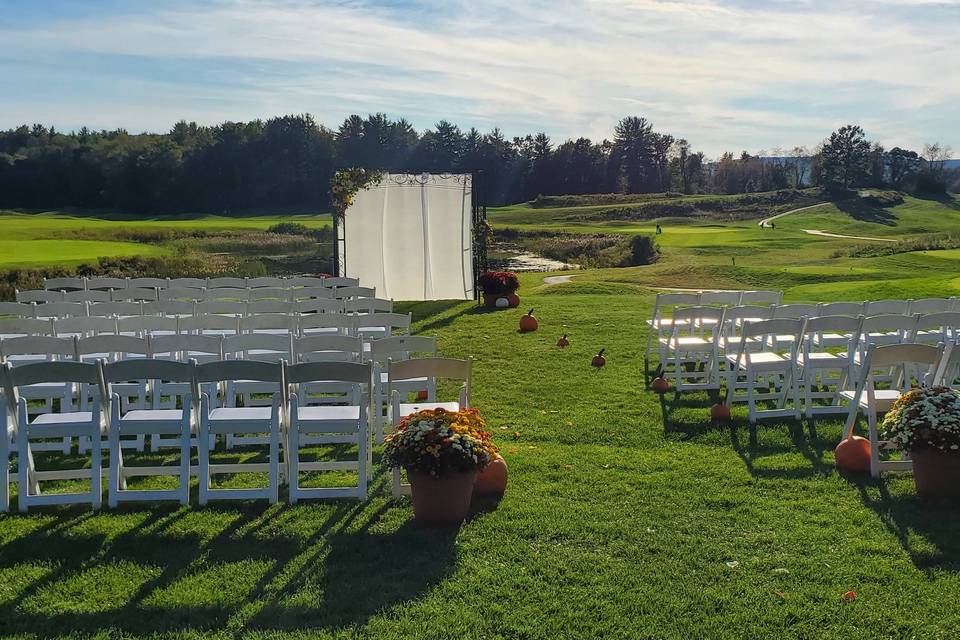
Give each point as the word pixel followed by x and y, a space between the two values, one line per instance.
pixel 725 75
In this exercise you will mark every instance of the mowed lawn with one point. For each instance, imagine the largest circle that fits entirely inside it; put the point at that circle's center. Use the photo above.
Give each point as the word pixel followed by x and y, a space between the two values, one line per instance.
pixel 624 518
pixel 39 239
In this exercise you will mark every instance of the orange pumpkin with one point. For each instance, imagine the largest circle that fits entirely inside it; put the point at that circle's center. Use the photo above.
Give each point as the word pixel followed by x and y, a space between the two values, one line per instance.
pixel 528 322
pixel 514 300
pixel 598 360
pixel 719 412
pixel 853 454
pixel 563 343
pixel 492 480
pixel 660 385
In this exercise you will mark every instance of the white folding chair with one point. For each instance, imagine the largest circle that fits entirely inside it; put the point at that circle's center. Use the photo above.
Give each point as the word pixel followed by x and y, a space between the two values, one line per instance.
pixel 17 309
pixel 660 325
pixel 328 424
pixel 148 283
pixel 168 394
pixel 186 283
pixel 396 349
pixel 885 307
pixel 720 298
pixel 734 319
pixel 343 293
pixel 795 311
pixel 268 281
pixel 86 296
pixel 930 305
pixel 141 326
pixel 138 421
pixel 119 309
pixel 59 310
pixel 434 369
pixel 761 297
pixel 884 329
pixel 226 283
pixel 269 323
pixel 368 305
pixel 65 423
pixel 186 294
pixel 934 328
pixel 134 295
pixel 372 326
pixel 270 306
pixel 853 309
pixel 319 305
pixel 210 325
pixel 337 282
pixel 824 373
pixel 15 327
pixel 912 363
pixel 60 284
pixel 692 348
pixel 39 296
pixel 773 367
pixel 218 418
pixel 269 293
pixel 327 348
pixel 328 324
pixel 82 327
pixel 176 308
pixel 105 283
pixel 303 281
pixel 221 307
pixel 310 293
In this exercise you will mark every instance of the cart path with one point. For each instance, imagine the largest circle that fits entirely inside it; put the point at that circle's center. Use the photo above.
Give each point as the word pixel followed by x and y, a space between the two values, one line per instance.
pixel 549 280
pixel 766 221
pixel 817 232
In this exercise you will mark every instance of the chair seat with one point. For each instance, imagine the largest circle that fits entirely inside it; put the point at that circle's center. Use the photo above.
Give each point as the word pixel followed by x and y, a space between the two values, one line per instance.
pixel 385 378
pixel 153 415
pixel 758 357
pixel 329 412
pixel 687 342
pixel 821 358
pixel 883 398
pixel 406 409
pixel 62 419
pixel 667 322
pixel 226 414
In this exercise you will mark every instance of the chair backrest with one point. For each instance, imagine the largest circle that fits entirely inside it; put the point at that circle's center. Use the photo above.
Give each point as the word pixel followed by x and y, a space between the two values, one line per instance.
pixel 226 283
pixel 60 284
pixel 930 305
pixel 432 368
pixel 39 295
pixel 794 310
pixel 317 322
pixel 61 310
pixel 747 312
pixel 947 321
pixel 92 295
pixel 58 371
pixel 257 346
pixel 220 307
pixel 142 325
pixel 149 369
pixel 105 309
pixel 269 293
pixel 255 370
pixel 187 283
pixel 268 281
pixel 400 347
pixel 355 372
pixel 819 325
pixel 49 346
pixel 148 283
pixel 105 283
pixel 169 308
pixel 304 281
pixel 268 322
pixel 319 305
pixel 306 293
pixel 17 309
pixel 10 327
pixel 139 294
pixel 340 281
pixel 83 327
pixel 116 347
pixel 269 306
pixel 210 324
pixel 228 294
pixel 368 305
pixel 355 292
pixel 773 327
pixel 726 298
pixel 890 323
pixel 384 323
pixel 694 320
pixel 327 348
pixel 181 293
pixel 883 307
pixel 184 346
pixel 887 355
pixel 841 309
pixel 761 297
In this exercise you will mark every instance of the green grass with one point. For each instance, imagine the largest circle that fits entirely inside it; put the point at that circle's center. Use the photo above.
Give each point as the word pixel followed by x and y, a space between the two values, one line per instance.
pixel 623 518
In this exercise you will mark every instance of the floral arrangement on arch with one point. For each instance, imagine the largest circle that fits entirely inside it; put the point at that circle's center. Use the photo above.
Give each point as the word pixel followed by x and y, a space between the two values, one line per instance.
pixel 347 183
pixel 925 418
pixel 499 283
pixel 440 442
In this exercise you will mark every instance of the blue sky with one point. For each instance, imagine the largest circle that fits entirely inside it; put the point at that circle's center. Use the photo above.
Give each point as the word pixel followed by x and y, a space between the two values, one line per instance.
pixel 743 74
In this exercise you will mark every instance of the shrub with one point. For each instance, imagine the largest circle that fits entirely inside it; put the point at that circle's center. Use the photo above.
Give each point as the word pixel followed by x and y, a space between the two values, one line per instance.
pixel 496 283
pixel 290 229
pixel 883 198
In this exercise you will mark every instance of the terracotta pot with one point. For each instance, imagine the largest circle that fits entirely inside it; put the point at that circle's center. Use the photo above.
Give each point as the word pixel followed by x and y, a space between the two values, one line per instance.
pixel 493 479
pixel 936 474
pixel 490 300
pixel 441 501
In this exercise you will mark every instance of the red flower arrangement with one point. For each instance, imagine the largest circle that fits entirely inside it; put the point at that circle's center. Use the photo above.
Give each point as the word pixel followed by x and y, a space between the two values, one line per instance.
pixel 499 283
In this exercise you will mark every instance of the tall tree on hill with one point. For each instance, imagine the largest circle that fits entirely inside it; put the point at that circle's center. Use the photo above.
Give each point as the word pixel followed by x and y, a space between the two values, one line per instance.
pixel 799 159
pixel 902 164
pixel 633 153
pixel 845 158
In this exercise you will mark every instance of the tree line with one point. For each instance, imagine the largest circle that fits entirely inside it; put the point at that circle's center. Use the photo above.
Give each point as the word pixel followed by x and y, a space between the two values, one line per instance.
pixel 287 162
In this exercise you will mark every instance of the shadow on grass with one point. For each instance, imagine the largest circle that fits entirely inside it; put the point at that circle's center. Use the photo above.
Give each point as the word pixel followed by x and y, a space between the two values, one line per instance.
pixel 864 212
pixel 944 199
pixel 927 531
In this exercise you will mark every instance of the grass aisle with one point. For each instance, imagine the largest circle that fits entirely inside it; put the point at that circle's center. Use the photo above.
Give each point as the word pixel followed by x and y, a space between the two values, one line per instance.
pixel 613 525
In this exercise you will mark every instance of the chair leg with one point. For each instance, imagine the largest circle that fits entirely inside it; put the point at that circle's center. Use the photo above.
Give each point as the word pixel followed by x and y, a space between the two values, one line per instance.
pixel 96 468
pixel 293 464
pixel 363 438
pixel 203 462
pixel 874 444
pixel 185 461
pixel 115 467
pixel 24 469
pixel 751 401
pixel 4 471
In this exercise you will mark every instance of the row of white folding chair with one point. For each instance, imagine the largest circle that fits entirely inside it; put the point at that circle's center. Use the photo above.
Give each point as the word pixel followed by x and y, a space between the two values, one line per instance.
pixel 194 295
pixel 286 422
pixel 913 364
pixel 100 282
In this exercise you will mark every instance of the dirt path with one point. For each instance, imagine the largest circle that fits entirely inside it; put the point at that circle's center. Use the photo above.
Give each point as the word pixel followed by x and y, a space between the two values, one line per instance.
pixel 766 221
pixel 549 280
pixel 817 232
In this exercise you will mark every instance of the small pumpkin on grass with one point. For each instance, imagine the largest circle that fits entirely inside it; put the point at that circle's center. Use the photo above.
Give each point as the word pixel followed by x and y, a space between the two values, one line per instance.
pixel 563 343
pixel 598 360
pixel 660 385
pixel 528 322
pixel 720 412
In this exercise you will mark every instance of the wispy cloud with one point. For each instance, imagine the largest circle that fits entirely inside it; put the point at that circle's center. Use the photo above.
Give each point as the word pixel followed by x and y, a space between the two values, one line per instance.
pixel 726 75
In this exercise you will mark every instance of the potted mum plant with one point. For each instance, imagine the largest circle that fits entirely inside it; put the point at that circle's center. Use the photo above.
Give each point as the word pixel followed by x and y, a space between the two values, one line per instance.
pixel 442 452
pixel 925 423
pixel 500 289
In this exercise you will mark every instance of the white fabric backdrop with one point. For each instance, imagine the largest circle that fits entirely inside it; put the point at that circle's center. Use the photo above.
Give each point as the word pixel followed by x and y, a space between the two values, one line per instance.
pixel 411 237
